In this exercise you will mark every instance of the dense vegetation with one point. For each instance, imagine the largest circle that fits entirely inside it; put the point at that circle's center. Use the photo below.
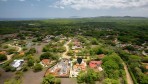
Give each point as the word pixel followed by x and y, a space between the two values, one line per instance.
pixel 131 32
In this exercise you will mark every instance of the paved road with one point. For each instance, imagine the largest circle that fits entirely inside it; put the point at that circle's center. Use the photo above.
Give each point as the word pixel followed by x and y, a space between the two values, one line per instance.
pixel 128 76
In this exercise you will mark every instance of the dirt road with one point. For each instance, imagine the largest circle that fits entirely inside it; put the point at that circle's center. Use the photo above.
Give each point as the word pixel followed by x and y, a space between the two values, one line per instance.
pixel 128 76
pixel 10 56
pixel 64 55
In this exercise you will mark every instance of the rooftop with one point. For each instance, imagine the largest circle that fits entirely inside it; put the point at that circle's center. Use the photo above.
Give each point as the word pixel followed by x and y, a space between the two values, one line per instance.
pixel 17 63
pixel 94 64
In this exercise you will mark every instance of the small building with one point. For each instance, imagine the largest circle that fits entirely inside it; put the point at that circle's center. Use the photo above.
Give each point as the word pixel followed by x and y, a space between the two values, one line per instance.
pixel 61 69
pixel 101 56
pixel 45 62
pixel 76 44
pixel 21 53
pixel 17 64
pixel 77 68
pixel 95 65
pixel 3 52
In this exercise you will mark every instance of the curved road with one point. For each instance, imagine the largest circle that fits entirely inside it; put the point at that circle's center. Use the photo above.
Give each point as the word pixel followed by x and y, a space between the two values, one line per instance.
pixel 64 55
pixel 10 56
pixel 128 76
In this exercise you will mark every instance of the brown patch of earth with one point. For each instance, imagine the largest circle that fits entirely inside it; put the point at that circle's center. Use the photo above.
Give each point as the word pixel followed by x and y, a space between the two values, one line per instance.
pixel 68 81
pixel 5 76
pixel 31 77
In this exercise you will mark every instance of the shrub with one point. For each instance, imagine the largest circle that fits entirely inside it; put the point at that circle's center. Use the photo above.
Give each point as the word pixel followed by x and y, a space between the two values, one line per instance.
pixel 30 62
pixel 48 55
pixel 3 57
pixel 37 67
pixel 50 79
pixel 7 68
pixel 25 68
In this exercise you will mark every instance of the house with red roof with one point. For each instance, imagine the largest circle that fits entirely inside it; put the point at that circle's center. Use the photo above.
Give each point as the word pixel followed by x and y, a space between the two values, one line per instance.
pixel 95 65
pixel 45 62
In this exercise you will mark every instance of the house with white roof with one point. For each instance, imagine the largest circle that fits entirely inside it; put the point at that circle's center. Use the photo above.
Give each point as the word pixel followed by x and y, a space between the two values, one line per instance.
pixel 17 63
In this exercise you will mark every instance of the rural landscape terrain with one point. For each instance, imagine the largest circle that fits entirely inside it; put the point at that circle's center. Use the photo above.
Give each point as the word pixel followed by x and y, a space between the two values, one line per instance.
pixel 99 50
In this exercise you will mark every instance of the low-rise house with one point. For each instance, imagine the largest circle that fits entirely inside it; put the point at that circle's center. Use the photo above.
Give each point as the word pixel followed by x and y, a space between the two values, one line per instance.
pixel 17 64
pixel 95 65
pixel 45 62
pixel 3 52
pixel 21 53
pixel 77 44
pixel 77 68
pixel 61 69
pixel 101 56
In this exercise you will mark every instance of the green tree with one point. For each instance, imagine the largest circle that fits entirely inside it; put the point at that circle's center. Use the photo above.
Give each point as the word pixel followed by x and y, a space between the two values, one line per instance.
pixel 50 79
pixel 30 62
pixel 110 81
pixel 48 55
pixel 3 57
pixel 37 67
pixel 94 41
pixel 89 77
pixel 31 51
pixel 11 51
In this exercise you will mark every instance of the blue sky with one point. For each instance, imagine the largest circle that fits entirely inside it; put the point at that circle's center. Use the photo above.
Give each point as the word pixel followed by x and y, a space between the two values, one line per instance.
pixel 68 8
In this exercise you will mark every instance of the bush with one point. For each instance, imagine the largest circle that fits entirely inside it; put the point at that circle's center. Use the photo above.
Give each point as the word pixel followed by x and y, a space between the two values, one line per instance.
pixel 70 53
pixel 31 51
pixel 132 75
pixel 48 55
pixel 25 68
pixel 89 77
pixel 3 57
pixel 11 51
pixel 13 69
pixel 6 46
pixel 110 81
pixel 30 62
pixel 0 74
pixel 7 68
pixel 37 67
pixel 50 79
pixel 18 75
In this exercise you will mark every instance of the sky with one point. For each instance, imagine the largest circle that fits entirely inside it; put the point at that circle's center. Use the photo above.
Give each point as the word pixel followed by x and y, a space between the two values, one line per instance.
pixel 72 8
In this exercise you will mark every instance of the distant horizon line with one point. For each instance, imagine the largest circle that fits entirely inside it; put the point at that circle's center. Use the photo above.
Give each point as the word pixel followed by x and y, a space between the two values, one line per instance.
pixel 71 17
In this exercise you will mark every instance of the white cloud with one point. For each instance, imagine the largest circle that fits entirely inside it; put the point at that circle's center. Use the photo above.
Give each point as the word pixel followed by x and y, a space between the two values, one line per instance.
pixel 99 4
